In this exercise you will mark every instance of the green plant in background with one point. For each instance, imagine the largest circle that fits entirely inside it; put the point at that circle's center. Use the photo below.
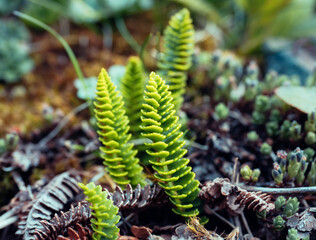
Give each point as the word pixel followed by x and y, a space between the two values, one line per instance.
pixel 118 154
pixel 176 58
pixel 250 175
pixel 278 223
pixel 14 51
pixel 160 125
pixel 252 136
pixel 103 211
pixel 292 234
pixel 261 107
pixel 251 81
pixel 90 11
pixel 8 143
pixel 291 207
pixel 7 7
pixel 132 87
pixel 280 202
pixel 266 149
pixel 221 111
pixel 293 168
pixel 247 24
pixel 285 209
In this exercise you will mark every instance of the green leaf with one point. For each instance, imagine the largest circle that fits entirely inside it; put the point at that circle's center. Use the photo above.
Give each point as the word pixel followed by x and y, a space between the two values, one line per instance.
pixel 86 88
pixel 116 73
pixel 302 98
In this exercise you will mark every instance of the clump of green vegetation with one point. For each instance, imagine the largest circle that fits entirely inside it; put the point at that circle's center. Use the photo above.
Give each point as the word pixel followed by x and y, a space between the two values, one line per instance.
pixel 293 168
pixel 250 175
pixel 14 51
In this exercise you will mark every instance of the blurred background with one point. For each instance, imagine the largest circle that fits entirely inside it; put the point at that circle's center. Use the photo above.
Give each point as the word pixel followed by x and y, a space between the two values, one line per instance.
pixel 38 81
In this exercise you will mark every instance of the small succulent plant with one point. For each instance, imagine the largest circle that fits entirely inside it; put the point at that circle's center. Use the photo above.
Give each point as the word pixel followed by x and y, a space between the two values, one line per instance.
pixel 293 168
pixel 250 175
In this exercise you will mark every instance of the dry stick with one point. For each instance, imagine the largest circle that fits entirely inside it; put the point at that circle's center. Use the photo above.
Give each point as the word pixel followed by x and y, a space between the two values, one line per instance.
pixel 125 220
pixel 62 124
pixel 220 217
pixel 233 180
pixel 18 180
pixel 281 191
pixel 239 225
pixel 246 225
pixel 8 221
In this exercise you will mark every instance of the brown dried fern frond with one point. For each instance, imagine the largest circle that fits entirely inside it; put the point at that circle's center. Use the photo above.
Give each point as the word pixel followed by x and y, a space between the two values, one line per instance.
pixel 71 223
pixel 139 197
pixel 81 233
pixel 51 199
pixel 223 193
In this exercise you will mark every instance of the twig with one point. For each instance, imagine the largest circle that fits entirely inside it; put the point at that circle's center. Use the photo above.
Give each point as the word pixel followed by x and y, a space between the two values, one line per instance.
pixel 233 180
pixel 18 180
pixel 246 225
pixel 125 220
pixel 219 216
pixel 8 221
pixel 281 191
pixel 62 124
pixel 237 222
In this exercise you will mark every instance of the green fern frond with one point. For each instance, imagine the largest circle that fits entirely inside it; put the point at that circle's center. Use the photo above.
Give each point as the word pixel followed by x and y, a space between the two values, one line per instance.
pixel 160 125
pixel 177 55
pixel 132 88
pixel 118 154
pixel 104 212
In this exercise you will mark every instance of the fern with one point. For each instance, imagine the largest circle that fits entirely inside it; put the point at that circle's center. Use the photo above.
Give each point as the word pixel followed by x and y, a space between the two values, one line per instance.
pixel 118 154
pixel 132 88
pixel 160 125
pixel 105 213
pixel 177 55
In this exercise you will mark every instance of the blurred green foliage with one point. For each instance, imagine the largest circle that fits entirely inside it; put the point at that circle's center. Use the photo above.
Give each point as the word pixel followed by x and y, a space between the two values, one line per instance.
pixel 88 11
pixel 247 24
pixel 14 51
pixel 6 7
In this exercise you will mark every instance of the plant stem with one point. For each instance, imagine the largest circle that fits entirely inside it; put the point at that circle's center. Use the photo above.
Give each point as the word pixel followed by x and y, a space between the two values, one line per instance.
pixel 243 218
pixel 66 46
pixel 59 38
pixel 281 191
pixel 62 124
pixel 121 27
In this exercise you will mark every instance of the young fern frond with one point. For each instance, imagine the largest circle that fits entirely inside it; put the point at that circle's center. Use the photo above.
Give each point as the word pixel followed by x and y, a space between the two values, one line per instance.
pixel 177 55
pixel 160 125
pixel 105 213
pixel 118 154
pixel 132 88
